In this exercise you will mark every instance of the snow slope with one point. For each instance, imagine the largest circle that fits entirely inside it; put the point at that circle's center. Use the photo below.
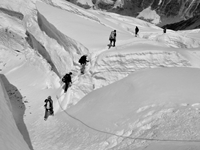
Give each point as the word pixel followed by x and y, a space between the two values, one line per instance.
pixel 11 138
pixel 154 104
pixel 145 87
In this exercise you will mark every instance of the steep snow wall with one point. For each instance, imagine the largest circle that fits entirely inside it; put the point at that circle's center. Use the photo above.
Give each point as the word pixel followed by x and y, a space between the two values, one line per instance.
pixel 17 38
pixel 11 138
pixel 60 51
pixel 74 48
pixel 18 47
pixel 20 6
pixel 12 13
pixel 113 66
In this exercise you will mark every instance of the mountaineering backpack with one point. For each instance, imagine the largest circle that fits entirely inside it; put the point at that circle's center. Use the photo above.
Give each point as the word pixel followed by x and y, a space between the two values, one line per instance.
pixel 66 78
pixel 63 79
pixel 137 29
pixel 82 59
pixel 112 35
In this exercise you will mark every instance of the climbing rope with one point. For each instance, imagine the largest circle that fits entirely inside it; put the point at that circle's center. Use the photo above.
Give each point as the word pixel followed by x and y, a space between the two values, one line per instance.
pixel 126 137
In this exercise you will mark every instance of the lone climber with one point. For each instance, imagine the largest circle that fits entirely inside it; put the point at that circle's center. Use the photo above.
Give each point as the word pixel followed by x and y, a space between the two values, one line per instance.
pixel 48 107
pixel 136 31
pixel 67 80
pixel 112 38
pixel 83 60
pixel 164 30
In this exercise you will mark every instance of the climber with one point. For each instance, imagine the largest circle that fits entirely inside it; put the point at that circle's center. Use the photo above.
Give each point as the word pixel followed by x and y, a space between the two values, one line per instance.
pixel 164 30
pixel 48 107
pixel 136 31
pixel 83 60
pixel 67 80
pixel 112 38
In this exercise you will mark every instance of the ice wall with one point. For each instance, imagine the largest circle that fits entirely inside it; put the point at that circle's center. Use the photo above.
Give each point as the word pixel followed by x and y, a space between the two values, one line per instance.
pixel 11 138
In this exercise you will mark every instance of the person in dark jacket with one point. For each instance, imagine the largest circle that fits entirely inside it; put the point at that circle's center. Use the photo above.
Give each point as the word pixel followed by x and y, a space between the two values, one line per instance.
pixel 48 107
pixel 136 31
pixel 164 30
pixel 112 38
pixel 67 80
pixel 83 60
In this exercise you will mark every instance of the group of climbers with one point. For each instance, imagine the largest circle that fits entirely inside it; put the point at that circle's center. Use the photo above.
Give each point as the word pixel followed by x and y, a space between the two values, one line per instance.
pixel 66 79
pixel 83 61
pixel 113 35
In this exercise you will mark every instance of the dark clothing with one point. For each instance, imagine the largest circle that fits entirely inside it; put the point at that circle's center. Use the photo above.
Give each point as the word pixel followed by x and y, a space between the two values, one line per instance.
pixel 112 38
pixel 83 68
pixel 83 60
pixel 136 31
pixel 66 87
pixel 47 114
pixel 48 108
pixel 113 35
pixel 67 80
pixel 112 41
pixel 164 30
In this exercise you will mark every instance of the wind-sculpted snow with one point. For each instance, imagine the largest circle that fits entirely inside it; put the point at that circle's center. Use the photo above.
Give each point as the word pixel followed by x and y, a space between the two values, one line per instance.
pixel 72 47
pixel 25 8
pixel 59 50
pixel 12 36
pixel 146 106
pixel 16 49
pixel 111 66
pixel 72 9
pixel 12 13
pixel 114 65
pixel 11 138
pixel 174 39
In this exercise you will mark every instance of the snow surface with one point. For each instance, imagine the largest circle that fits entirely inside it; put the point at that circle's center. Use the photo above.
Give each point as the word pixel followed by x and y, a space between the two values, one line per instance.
pixel 150 15
pixel 146 87
pixel 11 138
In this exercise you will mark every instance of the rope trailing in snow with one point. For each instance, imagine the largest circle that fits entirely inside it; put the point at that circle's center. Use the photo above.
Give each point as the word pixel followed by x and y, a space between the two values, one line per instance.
pixel 127 137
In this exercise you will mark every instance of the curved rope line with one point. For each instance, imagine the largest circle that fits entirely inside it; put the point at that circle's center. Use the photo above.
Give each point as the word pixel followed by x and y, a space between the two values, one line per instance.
pixel 125 137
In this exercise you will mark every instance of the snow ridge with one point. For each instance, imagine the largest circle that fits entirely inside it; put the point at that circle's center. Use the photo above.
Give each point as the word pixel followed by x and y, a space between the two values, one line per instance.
pixel 106 69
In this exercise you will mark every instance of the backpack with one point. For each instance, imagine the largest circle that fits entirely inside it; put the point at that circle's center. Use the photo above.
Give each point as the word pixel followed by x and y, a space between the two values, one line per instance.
pixel 66 78
pixel 63 79
pixel 137 29
pixel 83 59
pixel 112 35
